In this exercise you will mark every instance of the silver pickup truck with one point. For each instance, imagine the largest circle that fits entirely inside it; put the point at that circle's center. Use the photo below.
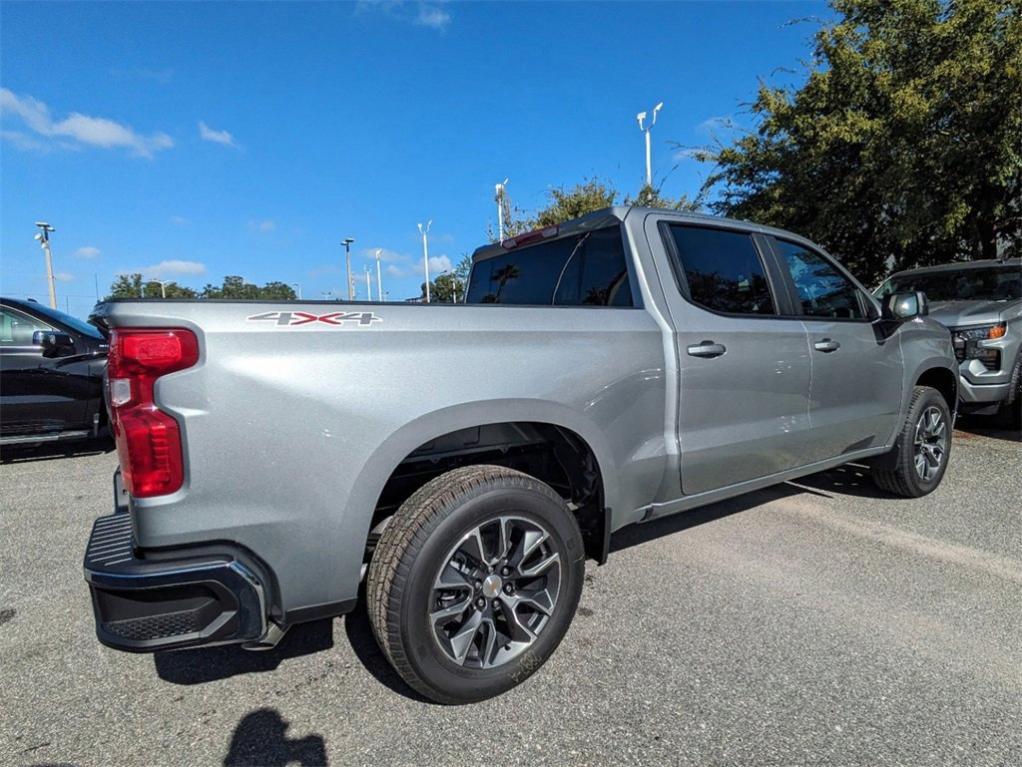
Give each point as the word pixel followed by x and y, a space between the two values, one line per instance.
pixel 463 461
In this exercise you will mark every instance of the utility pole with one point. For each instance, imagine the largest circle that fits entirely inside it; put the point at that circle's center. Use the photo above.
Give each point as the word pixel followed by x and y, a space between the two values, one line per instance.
pixel 646 129
pixel 346 242
pixel 44 242
pixel 425 253
pixel 501 190
pixel 379 275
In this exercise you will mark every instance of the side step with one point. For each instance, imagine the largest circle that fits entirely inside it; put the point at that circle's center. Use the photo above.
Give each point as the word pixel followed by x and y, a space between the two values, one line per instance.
pixel 28 439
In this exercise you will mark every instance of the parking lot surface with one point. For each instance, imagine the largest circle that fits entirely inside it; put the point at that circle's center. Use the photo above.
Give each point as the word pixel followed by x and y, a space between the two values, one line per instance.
pixel 813 623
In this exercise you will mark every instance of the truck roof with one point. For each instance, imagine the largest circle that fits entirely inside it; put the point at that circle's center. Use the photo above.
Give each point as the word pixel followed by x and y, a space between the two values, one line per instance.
pixel 983 263
pixel 616 214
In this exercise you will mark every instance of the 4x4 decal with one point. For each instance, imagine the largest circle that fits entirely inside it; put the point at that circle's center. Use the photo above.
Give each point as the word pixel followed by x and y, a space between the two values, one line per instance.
pixel 291 319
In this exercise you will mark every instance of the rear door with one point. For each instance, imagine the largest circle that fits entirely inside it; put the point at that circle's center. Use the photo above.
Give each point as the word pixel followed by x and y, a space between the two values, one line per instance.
pixel 856 370
pixel 744 365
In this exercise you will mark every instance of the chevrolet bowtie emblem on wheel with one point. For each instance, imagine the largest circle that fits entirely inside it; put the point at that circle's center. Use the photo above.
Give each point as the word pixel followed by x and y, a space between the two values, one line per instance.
pixel 293 319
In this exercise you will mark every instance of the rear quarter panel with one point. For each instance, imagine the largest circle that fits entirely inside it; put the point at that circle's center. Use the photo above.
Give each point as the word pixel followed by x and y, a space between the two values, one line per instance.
pixel 292 431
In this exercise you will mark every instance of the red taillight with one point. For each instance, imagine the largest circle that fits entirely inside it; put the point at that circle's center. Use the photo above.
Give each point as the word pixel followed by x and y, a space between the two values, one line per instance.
pixel 148 440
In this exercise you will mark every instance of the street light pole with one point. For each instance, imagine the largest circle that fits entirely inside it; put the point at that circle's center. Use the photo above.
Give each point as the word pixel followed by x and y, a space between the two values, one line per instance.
pixel 379 276
pixel 44 242
pixel 425 253
pixel 641 117
pixel 501 190
pixel 369 286
pixel 346 242
pixel 298 290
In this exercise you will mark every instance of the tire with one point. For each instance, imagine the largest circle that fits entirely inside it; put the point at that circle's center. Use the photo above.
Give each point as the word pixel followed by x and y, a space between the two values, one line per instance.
pixel 925 437
pixel 475 533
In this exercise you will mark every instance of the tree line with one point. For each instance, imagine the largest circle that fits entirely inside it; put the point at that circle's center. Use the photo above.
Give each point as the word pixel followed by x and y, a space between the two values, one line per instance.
pixel 136 286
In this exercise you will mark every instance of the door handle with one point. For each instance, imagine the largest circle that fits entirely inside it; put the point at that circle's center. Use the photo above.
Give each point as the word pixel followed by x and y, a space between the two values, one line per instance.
pixel 706 349
pixel 826 345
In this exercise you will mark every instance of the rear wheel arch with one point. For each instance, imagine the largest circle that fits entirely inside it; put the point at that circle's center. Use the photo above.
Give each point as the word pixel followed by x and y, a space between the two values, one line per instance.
pixel 551 452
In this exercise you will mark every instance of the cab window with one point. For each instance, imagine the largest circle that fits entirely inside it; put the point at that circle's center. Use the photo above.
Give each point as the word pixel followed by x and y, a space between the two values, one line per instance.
pixel 16 329
pixel 822 290
pixel 722 270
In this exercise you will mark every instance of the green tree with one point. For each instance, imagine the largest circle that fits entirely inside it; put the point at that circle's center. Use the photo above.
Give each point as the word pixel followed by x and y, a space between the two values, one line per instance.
pixel 564 204
pixel 126 286
pixel 904 144
pixel 235 287
pixel 134 286
pixel 443 289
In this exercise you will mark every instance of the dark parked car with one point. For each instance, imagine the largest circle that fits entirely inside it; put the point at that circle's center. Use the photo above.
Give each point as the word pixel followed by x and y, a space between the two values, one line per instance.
pixel 51 374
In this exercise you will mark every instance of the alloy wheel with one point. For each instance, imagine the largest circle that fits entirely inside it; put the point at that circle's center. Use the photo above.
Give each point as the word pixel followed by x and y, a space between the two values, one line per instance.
pixel 495 592
pixel 930 443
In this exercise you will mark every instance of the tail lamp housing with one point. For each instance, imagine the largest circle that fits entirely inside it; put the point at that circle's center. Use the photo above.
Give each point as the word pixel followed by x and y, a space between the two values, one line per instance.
pixel 148 439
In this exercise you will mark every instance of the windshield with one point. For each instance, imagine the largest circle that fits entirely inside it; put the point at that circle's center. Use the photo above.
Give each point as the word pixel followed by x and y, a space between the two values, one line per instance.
pixel 999 283
pixel 66 319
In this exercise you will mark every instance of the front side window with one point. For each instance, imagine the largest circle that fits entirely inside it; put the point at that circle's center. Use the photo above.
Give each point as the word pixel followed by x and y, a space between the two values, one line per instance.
pixel 822 290
pixel 16 329
pixel 723 270
pixel 585 270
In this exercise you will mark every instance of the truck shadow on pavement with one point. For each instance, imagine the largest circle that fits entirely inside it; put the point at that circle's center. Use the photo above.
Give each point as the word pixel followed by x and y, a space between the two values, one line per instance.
pixel 210 664
pixel 260 740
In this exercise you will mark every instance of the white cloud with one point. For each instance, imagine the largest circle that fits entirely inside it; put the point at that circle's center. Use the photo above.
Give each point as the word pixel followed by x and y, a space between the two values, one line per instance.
pixel 216 136
pixel 713 125
pixel 78 128
pixel 169 267
pixel 63 276
pixel 421 14
pixel 439 264
pixel 178 220
pixel 432 16
pixel 394 270
pixel 87 251
pixel 264 226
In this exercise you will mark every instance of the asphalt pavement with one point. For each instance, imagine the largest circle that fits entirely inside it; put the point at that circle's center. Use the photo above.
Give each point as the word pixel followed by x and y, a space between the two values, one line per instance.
pixel 816 623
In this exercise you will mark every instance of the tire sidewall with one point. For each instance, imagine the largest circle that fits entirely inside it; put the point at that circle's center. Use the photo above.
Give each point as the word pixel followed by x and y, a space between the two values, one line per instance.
pixel 929 398
pixel 450 681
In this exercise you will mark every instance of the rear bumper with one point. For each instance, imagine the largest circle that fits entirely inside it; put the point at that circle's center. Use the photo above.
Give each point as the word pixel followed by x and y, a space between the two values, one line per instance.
pixel 144 605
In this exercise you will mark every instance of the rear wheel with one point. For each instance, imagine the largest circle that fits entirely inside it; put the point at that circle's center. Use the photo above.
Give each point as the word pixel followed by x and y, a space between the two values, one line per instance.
pixel 474 582
pixel 917 463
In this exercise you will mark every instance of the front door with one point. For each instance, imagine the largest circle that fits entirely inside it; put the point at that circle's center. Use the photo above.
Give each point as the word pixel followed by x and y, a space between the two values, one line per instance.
pixel 744 369
pixel 856 371
pixel 37 394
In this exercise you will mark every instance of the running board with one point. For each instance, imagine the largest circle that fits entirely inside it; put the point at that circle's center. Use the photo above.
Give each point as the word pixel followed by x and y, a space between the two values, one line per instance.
pixel 27 439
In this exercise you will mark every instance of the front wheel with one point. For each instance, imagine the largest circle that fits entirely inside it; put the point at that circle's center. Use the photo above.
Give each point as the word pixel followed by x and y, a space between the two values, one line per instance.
pixel 474 582
pixel 917 463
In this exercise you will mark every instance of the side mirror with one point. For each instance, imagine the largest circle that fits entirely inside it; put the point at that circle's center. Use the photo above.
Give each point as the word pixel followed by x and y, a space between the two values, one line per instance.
pixel 54 343
pixel 905 306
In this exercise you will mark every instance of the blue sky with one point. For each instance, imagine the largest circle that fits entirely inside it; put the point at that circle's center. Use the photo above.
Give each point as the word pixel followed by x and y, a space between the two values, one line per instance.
pixel 190 141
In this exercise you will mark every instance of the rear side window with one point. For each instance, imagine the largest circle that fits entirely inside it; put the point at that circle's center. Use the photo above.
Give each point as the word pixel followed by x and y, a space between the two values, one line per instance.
pixel 723 270
pixel 586 270
pixel 822 290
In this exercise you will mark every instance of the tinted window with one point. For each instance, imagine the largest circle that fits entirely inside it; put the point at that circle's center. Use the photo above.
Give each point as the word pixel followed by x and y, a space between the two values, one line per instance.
pixel 822 289
pixel 16 329
pixel 74 323
pixel 587 269
pixel 723 270
pixel 987 283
